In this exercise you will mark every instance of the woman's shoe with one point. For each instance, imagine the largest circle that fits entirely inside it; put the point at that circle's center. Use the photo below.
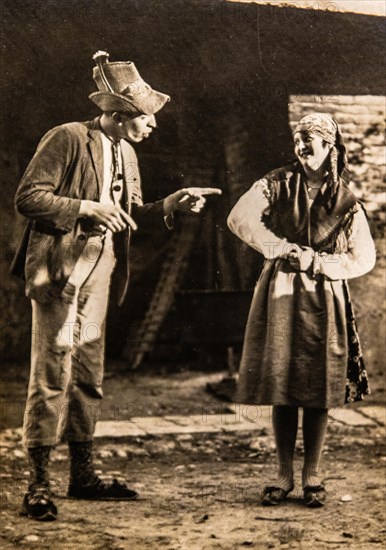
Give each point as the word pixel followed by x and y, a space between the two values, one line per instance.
pixel 314 496
pixel 272 496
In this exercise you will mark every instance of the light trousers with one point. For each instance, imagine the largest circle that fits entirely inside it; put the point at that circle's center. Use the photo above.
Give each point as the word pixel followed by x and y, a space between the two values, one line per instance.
pixel 67 353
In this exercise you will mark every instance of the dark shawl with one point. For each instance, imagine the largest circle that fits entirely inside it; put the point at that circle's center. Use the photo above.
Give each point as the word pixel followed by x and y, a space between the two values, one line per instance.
pixel 292 218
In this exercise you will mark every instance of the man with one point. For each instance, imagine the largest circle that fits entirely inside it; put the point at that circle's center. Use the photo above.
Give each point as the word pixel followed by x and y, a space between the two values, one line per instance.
pixel 82 195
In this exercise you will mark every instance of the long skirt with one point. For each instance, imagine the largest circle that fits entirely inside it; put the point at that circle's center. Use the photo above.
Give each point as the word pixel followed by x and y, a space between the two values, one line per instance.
pixel 295 347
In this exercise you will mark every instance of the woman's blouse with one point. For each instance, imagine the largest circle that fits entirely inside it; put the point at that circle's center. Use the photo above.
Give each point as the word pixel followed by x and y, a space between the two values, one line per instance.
pixel 245 220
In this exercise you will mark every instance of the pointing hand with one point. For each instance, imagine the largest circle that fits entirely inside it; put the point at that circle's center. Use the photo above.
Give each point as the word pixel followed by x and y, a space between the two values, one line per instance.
pixel 189 199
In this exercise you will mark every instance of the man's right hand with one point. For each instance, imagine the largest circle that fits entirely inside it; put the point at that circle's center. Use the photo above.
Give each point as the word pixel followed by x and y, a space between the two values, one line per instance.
pixel 108 215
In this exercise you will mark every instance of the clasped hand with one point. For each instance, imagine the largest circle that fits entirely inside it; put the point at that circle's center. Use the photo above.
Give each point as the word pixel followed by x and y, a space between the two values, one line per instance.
pixel 301 258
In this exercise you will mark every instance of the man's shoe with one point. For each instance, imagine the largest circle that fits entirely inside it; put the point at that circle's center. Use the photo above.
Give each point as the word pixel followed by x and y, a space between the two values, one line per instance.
pixel 102 490
pixel 37 504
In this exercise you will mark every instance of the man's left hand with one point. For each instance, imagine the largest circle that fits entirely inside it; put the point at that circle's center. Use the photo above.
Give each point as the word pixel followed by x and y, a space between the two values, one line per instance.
pixel 189 199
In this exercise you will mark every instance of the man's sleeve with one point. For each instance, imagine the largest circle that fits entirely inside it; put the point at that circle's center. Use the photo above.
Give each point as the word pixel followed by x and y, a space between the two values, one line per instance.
pixel 38 195
pixel 149 217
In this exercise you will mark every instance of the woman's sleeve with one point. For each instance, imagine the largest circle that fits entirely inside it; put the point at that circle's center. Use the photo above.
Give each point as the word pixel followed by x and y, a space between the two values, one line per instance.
pixel 244 221
pixel 358 260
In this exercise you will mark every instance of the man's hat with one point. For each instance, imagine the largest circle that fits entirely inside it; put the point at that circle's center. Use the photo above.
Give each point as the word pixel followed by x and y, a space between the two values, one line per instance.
pixel 121 88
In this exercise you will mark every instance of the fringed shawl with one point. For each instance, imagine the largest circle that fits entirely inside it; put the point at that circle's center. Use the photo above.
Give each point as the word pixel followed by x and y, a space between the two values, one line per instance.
pixel 291 217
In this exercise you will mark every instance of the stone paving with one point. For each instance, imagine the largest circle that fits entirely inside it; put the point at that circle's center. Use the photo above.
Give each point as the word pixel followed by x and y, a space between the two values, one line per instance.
pixel 241 418
pixel 236 417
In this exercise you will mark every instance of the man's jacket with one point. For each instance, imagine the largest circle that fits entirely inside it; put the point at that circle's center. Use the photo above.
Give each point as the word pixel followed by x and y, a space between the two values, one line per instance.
pixel 66 168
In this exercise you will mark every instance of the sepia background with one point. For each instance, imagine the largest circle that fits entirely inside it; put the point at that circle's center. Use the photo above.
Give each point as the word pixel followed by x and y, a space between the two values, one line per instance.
pixel 240 75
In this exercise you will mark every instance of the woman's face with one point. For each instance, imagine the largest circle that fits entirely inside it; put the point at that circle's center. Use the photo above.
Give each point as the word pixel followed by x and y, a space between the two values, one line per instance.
pixel 311 150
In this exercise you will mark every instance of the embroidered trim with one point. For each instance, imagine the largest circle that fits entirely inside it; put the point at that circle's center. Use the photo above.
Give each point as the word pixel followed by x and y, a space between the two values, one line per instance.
pixel 266 188
pixel 357 384
pixel 331 239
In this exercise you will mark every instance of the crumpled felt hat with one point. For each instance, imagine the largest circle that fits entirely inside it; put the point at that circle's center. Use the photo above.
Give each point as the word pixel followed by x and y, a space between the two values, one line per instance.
pixel 121 88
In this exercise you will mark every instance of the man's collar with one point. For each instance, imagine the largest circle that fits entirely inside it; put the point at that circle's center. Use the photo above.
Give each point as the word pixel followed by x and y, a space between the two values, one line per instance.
pixel 94 127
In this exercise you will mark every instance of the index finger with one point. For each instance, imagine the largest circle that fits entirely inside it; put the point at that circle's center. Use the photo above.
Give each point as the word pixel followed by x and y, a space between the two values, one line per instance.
pixel 206 190
pixel 128 219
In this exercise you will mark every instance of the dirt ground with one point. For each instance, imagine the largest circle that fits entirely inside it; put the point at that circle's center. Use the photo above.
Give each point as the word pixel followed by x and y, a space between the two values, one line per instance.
pixel 198 491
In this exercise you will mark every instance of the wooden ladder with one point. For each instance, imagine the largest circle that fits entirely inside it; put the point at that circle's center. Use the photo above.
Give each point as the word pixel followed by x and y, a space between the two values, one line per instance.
pixel 172 271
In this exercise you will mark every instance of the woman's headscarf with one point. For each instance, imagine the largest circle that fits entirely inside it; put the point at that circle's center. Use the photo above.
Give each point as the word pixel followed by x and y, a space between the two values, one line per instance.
pixel 319 124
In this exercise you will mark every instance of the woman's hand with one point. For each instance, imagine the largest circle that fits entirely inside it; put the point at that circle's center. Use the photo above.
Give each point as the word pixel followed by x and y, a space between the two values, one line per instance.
pixel 301 258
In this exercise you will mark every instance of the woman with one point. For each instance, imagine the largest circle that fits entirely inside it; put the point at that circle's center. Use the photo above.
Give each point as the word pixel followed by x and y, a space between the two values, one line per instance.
pixel 301 348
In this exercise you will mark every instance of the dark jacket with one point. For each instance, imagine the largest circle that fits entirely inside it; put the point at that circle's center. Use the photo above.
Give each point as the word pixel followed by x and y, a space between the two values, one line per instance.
pixel 66 168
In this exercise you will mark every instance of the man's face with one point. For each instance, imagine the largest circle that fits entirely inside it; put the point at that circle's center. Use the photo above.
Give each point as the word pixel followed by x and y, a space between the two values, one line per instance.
pixel 311 150
pixel 138 128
